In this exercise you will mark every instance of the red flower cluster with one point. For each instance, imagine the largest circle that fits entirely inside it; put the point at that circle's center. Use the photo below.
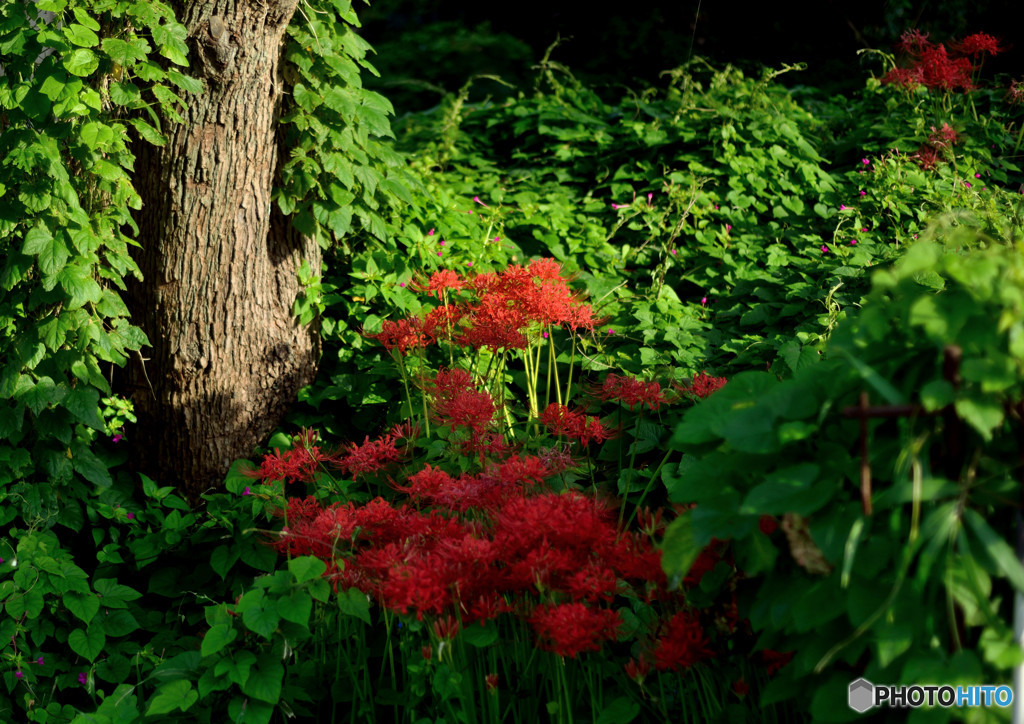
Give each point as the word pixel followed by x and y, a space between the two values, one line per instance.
pixel 939 141
pixel 937 68
pixel 574 424
pixel 703 385
pixel 300 463
pixel 460 406
pixel 498 313
pixel 632 392
pixel 495 544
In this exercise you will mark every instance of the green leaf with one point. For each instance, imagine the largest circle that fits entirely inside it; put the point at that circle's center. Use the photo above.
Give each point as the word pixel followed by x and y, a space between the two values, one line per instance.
pixel 147 132
pixel 295 607
pixel 264 681
pixel 984 415
pixel 36 239
pixel 81 62
pixel 173 695
pixel 83 605
pixel 259 613
pixel 217 638
pixel 185 82
pixel 84 403
pixel 119 623
pixel 354 602
pixel 480 636
pixel 679 549
pixel 81 36
pixel 87 643
pixel 307 568
pixel 790 490
pixel 222 559
pixel 620 711
pixel 997 548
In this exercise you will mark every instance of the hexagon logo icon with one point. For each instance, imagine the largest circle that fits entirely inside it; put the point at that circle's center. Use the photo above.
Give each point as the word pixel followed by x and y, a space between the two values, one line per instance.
pixel 862 695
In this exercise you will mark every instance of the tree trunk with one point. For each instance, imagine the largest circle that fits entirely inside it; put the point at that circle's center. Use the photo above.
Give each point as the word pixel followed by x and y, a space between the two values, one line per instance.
pixel 220 266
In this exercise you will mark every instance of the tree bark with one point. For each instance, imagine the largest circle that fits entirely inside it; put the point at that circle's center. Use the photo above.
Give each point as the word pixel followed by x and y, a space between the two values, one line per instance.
pixel 220 265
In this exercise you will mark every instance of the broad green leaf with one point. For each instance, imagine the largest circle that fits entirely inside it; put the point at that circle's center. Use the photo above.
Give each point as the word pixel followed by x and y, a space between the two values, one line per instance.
pixel 217 638
pixel 264 681
pixel 997 548
pixel 173 695
pixel 83 605
pixel 295 607
pixel 354 602
pixel 307 568
pixel 87 643
pixel 81 62
pixel 222 558
pixel 679 549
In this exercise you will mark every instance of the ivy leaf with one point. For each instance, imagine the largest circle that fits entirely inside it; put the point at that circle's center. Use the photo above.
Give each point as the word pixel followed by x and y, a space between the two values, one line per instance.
pixel 84 403
pixel 42 394
pixel 53 256
pixel 124 53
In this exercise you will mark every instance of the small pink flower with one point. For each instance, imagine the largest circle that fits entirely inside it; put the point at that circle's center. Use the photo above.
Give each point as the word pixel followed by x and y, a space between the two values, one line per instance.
pixel 984 188
pixel 728 228
pixel 673 252
pixel 967 184
pixel 863 193
pixel 439 253
pixel 865 162
pixel 611 331
pixel 401 284
pixel 915 236
pixel 864 229
pixel 40 661
pixel 649 197
pixel 131 516
pixel 496 239
pixel 618 206
pixel 842 207
pixel 430 233
pixel 544 335
pixel 246 491
pixel 977 175
pixel 470 263
pixel 83 679
pixel 853 242
pixel 703 301
pixel 18 674
pixel 824 249
pixel 117 438
pixel 477 200
pixel 441 243
pixel 716 207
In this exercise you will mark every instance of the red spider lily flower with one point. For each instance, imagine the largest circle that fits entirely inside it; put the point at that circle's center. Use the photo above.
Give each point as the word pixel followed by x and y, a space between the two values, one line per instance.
pixel 943 137
pixel 446 628
pixel 404 334
pixel 704 385
pixel 976 44
pixel 682 643
pixel 913 42
pixel 637 670
pixel 741 687
pixel 632 392
pixel 560 420
pixel 441 281
pixel 443 321
pixel 299 464
pixel 491 680
pixel 775 660
pixel 592 583
pixel 569 629
pixel 370 456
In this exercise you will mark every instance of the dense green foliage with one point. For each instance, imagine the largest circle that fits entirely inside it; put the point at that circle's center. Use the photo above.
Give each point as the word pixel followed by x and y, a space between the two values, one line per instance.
pixel 808 248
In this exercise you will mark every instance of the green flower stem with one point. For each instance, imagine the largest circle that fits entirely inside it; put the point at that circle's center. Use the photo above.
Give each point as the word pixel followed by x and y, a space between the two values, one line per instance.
pixel 553 369
pixel 647 488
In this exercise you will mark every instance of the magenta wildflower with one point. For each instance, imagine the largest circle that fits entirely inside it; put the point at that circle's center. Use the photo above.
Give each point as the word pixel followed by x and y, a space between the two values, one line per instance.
pixel 18 674
pixel 967 184
pixel 865 162
pixel 649 197
pixel 863 193
pixel 703 301
pixel 853 242
pixel 83 679
pixel 40 661
pixel 131 516
pixel 728 228
pixel 611 331
pixel 470 263
pixel 117 438
pixel 673 251
pixel 430 233
pixel 842 207
pixel 544 335
pixel 477 200
pixel 401 284
pixel 496 239
pixel 977 175
pixel 824 249
pixel 439 253
pixel 246 491
pixel 441 243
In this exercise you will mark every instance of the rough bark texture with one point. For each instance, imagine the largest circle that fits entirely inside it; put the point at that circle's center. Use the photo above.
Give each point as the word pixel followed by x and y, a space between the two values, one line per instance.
pixel 220 267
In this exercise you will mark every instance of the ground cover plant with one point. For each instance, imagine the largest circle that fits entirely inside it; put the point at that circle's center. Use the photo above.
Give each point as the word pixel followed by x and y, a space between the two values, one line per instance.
pixel 577 449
